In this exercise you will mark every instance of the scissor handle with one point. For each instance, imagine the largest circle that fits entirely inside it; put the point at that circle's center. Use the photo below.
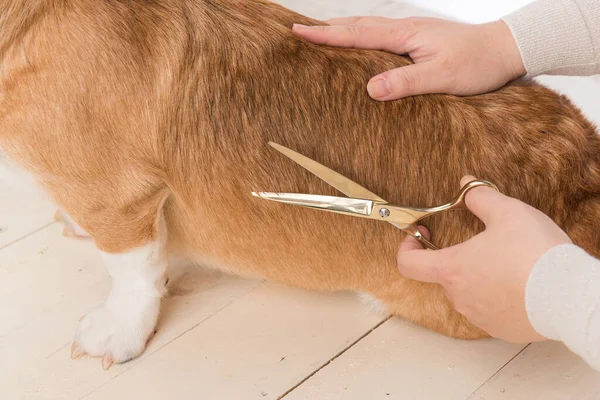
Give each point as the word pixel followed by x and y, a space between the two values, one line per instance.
pixel 457 203
pixel 459 200
pixel 414 232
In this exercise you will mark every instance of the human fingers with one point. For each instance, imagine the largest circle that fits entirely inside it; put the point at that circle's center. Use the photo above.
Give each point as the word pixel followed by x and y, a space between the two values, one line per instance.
pixel 486 203
pixel 407 81
pixel 414 262
pixel 358 20
pixel 410 243
pixel 391 38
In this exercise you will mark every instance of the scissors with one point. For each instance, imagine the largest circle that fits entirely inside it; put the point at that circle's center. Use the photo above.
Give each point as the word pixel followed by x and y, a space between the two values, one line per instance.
pixel 363 203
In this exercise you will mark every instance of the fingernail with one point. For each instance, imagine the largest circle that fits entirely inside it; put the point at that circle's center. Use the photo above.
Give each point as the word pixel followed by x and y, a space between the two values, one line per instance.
pixel 379 87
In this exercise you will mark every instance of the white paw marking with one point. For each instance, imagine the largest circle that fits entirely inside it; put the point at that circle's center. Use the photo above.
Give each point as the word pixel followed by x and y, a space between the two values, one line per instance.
pixel 102 334
pixel 119 329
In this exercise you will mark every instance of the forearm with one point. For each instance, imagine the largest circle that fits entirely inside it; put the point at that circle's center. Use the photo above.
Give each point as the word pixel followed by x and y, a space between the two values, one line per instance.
pixel 558 37
pixel 563 300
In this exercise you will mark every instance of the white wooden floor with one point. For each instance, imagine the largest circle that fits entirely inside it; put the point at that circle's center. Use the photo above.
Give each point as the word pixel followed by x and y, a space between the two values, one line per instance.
pixel 225 338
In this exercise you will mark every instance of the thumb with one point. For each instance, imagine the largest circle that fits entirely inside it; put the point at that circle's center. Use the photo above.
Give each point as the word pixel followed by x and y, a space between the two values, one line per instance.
pixel 406 81
pixel 410 243
pixel 483 201
pixel 416 263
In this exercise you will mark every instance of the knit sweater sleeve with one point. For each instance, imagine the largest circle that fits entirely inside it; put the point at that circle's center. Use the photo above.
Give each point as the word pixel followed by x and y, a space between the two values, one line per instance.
pixel 563 300
pixel 558 37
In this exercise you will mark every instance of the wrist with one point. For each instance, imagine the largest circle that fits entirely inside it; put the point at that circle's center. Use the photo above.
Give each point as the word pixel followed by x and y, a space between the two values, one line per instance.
pixel 506 49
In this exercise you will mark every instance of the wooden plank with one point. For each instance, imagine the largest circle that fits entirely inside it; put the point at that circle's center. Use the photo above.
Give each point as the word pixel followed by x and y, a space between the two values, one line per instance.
pixel 402 361
pixel 247 339
pixel 47 282
pixel 22 209
pixel 546 371
pixel 257 348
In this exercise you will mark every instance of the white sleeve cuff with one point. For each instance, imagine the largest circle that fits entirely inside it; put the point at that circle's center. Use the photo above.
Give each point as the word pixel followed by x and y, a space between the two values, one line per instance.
pixel 563 300
pixel 559 37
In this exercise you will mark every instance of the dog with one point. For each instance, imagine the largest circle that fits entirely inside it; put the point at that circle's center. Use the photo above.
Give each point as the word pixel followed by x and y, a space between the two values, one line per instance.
pixel 147 123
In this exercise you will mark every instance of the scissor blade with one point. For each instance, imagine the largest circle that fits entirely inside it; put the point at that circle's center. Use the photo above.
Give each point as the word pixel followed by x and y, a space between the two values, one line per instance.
pixel 338 181
pixel 344 185
pixel 342 205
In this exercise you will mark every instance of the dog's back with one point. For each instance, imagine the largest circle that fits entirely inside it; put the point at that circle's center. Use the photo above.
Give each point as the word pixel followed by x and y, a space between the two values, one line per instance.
pixel 134 104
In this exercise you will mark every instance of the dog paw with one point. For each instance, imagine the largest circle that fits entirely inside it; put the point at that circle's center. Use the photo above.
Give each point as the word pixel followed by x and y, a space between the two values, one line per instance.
pixel 115 339
pixel 71 229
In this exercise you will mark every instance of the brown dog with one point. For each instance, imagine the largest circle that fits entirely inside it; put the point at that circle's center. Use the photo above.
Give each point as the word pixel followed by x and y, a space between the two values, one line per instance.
pixel 148 121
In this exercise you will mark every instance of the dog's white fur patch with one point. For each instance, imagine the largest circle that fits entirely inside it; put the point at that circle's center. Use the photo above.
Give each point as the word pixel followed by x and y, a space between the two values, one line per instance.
pixel 372 304
pixel 120 328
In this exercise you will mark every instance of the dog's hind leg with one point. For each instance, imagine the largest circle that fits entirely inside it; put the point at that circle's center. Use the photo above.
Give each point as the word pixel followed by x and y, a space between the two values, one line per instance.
pixel 71 228
pixel 427 307
pixel 119 329
pixel 131 234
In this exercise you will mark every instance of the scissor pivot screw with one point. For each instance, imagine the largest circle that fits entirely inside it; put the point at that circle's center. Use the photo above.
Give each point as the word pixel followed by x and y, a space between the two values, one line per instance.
pixel 384 212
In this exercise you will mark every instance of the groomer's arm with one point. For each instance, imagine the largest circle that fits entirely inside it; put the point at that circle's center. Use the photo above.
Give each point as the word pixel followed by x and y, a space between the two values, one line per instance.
pixel 520 280
pixel 558 37
pixel 548 36
pixel 563 300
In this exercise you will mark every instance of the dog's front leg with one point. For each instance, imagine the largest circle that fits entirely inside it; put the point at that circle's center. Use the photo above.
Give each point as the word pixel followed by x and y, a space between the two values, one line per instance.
pixel 119 329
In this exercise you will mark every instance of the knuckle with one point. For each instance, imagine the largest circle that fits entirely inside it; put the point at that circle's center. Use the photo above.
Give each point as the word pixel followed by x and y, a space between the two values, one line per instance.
pixel 396 32
pixel 355 29
pixel 319 29
pixel 401 33
pixel 406 80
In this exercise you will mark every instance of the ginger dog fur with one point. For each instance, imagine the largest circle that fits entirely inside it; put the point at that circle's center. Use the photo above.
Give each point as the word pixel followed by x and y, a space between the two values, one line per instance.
pixel 124 110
